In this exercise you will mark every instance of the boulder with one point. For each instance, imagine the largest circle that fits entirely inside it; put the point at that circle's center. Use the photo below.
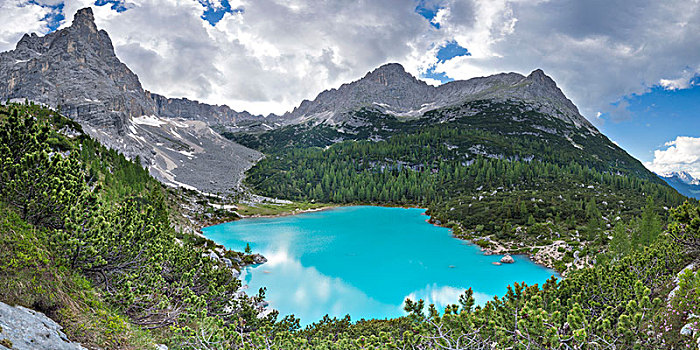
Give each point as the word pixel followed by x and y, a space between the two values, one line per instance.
pixel 28 329
pixel 507 259
pixel 687 330
pixel 212 255
pixel 259 259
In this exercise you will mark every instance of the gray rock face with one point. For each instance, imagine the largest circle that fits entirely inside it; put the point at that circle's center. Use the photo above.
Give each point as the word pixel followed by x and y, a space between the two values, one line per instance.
pixel 74 68
pixel 392 90
pixel 31 330
pixel 77 70
pixel 388 87
pixel 189 109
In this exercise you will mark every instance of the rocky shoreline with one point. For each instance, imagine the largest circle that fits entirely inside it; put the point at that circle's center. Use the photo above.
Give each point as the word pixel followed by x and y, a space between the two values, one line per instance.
pixel 289 213
pixel 545 255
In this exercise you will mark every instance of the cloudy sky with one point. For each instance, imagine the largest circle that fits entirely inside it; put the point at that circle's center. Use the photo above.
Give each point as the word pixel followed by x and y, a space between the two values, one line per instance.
pixel 631 66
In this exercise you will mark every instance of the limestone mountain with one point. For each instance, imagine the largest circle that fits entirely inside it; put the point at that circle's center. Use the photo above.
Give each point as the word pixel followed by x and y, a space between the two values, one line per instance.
pixel 76 69
pixel 391 90
pixel 512 108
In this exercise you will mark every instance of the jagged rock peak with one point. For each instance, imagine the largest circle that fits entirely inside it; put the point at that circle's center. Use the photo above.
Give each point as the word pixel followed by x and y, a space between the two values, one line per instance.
pixel 539 73
pixel 538 76
pixel 391 73
pixel 28 41
pixel 389 67
pixel 84 17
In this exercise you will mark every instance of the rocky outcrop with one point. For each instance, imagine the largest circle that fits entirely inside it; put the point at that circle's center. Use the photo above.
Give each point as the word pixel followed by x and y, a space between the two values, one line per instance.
pixel 25 329
pixel 388 87
pixel 210 114
pixel 258 259
pixel 75 69
pixel 507 259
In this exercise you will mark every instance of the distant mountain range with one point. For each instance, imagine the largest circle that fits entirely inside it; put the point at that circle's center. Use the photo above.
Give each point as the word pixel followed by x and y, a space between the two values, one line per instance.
pixel 684 183
pixel 75 69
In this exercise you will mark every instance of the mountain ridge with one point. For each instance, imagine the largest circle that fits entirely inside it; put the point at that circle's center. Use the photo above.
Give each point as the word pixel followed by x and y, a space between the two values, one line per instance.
pixel 402 93
pixel 77 70
pixel 683 176
pixel 392 90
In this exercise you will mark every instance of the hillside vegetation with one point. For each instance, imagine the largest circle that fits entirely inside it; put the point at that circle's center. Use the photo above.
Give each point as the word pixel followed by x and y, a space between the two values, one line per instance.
pixel 86 237
pixel 494 176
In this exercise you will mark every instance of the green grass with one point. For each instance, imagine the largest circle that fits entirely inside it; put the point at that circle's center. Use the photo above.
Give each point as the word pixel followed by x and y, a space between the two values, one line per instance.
pixel 270 209
pixel 32 277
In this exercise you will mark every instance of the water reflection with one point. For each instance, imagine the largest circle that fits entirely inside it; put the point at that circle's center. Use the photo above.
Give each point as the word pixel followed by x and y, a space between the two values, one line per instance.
pixel 309 294
pixel 442 296
pixel 364 261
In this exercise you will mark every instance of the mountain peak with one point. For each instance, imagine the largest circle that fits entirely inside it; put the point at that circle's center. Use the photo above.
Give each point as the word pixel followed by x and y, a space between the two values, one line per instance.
pixel 28 41
pixel 539 76
pixel 84 15
pixel 391 74
pixel 390 67
pixel 683 176
pixel 538 72
pixel 84 18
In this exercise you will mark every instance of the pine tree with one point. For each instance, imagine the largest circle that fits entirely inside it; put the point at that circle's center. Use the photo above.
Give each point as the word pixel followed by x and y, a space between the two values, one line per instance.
pixel 650 224
pixel 621 244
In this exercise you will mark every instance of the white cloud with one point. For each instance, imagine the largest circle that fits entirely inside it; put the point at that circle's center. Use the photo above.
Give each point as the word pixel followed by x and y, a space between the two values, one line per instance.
pixel 19 17
pixel 683 81
pixel 597 51
pixel 267 58
pixel 276 53
pixel 681 154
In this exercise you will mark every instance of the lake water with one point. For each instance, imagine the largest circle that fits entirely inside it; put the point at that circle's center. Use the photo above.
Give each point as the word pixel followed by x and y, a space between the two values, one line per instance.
pixel 365 261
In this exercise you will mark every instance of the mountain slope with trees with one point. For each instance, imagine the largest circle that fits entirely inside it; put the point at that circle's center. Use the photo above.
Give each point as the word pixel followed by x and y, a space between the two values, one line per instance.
pixel 85 237
pixel 500 173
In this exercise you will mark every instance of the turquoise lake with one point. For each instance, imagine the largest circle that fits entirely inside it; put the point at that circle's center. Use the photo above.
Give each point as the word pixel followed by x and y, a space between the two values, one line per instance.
pixel 365 261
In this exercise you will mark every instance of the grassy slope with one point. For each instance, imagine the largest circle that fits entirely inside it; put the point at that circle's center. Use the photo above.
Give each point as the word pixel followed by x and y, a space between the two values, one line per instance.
pixel 31 276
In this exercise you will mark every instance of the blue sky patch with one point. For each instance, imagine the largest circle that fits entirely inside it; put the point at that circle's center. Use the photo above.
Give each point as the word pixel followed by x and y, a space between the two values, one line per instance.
pixel 656 118
pixel 117 5
pixel 428 9
pixel 431 74
pixel 211 14
pixel 54 18
pixel 214 14
pixel 450 50
pixel 446 52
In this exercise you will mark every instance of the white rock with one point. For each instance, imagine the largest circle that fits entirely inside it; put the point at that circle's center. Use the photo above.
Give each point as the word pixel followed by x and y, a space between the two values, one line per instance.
pixel 29 329
pixel 687 330
pixel 507 259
